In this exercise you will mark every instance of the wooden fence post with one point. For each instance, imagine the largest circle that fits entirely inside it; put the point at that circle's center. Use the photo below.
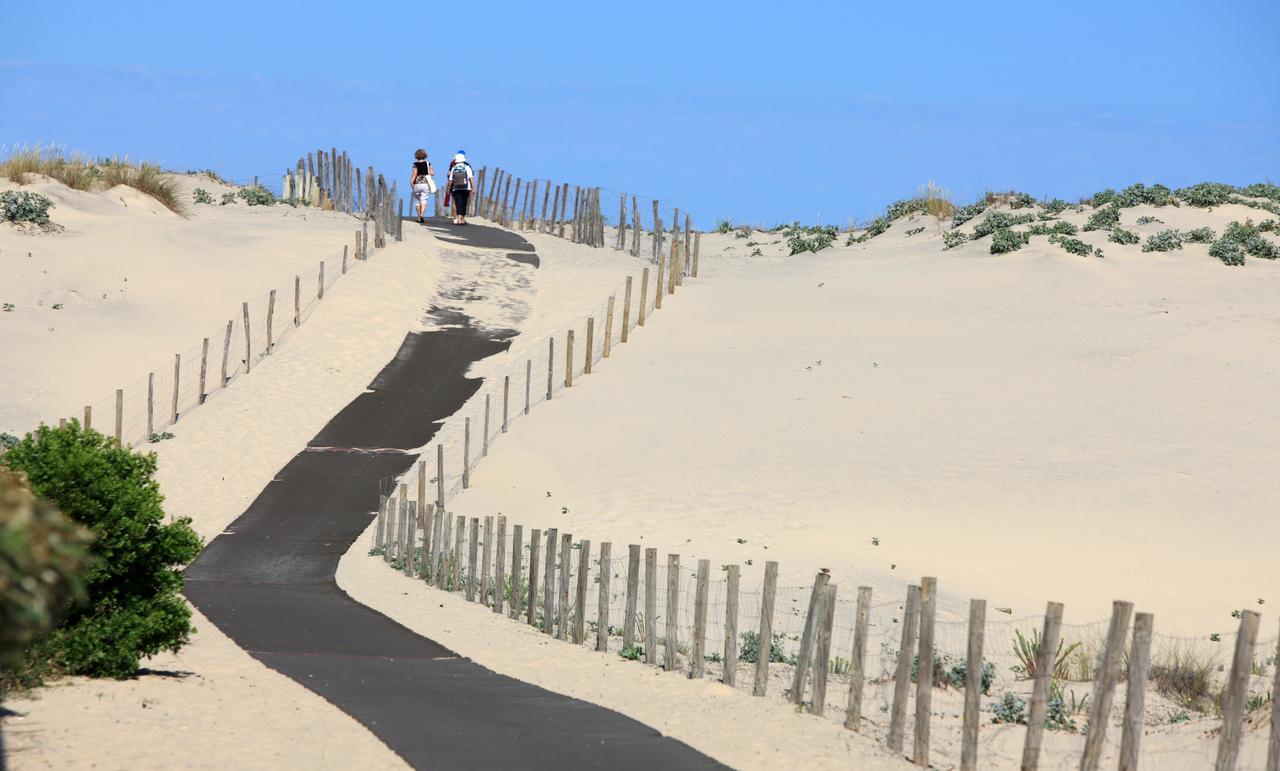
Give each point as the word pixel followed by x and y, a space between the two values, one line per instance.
pixel 151 404
pixel 924 670
pixel 466 453
pixel 484 443
pixel 439 543
pixel 248 343
pixel 1041 681
pixel 1237 693
pixel 528 383
pixel 551 365
pixel 697 244
pixel 764 640
pixel 473 544
pixel 568 360
pixel 730 675
pixel 344 258
pixel 608 327
pixel 486 556
pixel 320 282
pixel 119 416
pixel 697 662
pixel 411 535
pixel 226 353
pixel 822 650
pixel 804 658
pixel 566 566
pixel 858 660
pixel 517 543
pixel 626 311
pixel 644 297
pixel 657 298
pixel 379 538
pixel 440 478
pixel 602 600
pixel 177 371
pixel 204 370
pixel 459 533
pixel 549 584
pixel 973 686
pixel 88 417
pixel 546 196
pixel 580 596
pixel 1136 691
pixel 902 676
pixel 271 312
pixel 651 607
pixel 535 552
pixel 1104 685
pixel 671 660
pixel 590 346
pixel 633 591
pixel 657 231
pixel 506 400
pixel 1273 742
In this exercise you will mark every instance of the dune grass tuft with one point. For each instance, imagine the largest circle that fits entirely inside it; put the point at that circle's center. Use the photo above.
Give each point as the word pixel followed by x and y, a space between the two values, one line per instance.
pixel 1186 676
pixel 80 172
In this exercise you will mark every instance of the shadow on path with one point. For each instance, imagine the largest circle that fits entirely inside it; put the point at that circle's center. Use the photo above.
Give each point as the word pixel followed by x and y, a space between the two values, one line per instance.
pixel 268 583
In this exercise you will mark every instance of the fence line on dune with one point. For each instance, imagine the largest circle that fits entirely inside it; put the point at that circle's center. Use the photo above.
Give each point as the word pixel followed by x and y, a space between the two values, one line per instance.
pixel 794 640
pixel 142 410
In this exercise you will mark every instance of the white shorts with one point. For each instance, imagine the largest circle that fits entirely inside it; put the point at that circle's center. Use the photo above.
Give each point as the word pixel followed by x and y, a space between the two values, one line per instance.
pixel 422 193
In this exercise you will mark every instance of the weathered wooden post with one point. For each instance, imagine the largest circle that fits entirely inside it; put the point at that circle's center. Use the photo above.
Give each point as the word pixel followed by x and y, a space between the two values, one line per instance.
pixel 1136 691
pixel 730 675
pixel 1237 693
pixel 1104 685
pixel 651 607
pixel 858 660
pixel 671 661
pixel 633 590
pixel 973 686
pixel 1041 681
pixel 924 670
pixel 602 599
pixel 697 661
pixel 765 639
pixel 902 676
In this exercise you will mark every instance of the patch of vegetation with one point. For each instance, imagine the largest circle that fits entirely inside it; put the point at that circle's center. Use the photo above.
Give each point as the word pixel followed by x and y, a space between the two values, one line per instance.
pixel 1027 650
pixel 902 208
pixel 750 649
pixel 1199 236
pixel 135 607
pixel 998 220
pixel 1105 218
pixel 1186 676
pixel 913 231
pixel 153 438
pixel 1006 240
pixel 1134 195
pixel 953 238
pixel 1019 200
pixel 1074 246
pixel 227 199
pixel 1262 190
pixel 1206 194
pixel 1164 241
pixel 874 228
pixel 1060 228
pixel 24 206
pixel 724 226
pixel 43 556
pixel 1240 239
pixel 1121 236
pixel 256 195
pixel 145 178
pixel 965 213
pixel 76 171
pixel 200 195
pixel 809 238
pixel 1147 220
pixel 1055 206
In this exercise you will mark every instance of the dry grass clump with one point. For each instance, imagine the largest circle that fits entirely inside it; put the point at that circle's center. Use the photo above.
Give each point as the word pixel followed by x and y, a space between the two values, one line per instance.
pixel 1186 676
pixel 937 201
pixel 79 172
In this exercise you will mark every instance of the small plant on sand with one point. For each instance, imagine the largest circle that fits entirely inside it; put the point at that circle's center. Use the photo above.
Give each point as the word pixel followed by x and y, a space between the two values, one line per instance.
pixel 1027 650
pixel 1055 206
pixel 750 648
pixel 1149 220
pixel 998 220
pixel 1060 228
pixel 200 195
pixel 1011 709
pixel 632 652
pixel 257 195
pixel 228 199
pixel 153 438
pixel 24 206
pixel 1119 235
pixel 1186 676
pixel 1006 240
pixel 953 238
pixel 913 231
pixel 1206 194
pixel 145 178
pixel 1239 239
pixel 135 606
pixel 1104 219
pixel 965 213
pixel 1199 236
pixel 810 238
pixel 1138 193
pixel 1074 246
pixel 1164 241
pixel 937 202
pixel 874 228
pixel 905 206
pixel 724 226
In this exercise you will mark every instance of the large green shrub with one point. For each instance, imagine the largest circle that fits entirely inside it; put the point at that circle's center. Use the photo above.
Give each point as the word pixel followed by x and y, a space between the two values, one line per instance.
pixel 134 606
pixel 1121 236
pixel 965 213
pixel 42 557
pixel 1164 241
pixel 24 206
pixel 1105 218
pixel 1206 194
pixel 998 220
pixel 1008 241
pixel 810 238
pixel 256 195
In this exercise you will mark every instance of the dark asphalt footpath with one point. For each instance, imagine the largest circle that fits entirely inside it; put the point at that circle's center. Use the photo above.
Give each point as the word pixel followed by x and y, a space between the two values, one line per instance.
pixel 268 583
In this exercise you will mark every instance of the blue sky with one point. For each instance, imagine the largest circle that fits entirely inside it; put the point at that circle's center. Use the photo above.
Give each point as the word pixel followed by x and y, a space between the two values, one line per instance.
pixel 764 112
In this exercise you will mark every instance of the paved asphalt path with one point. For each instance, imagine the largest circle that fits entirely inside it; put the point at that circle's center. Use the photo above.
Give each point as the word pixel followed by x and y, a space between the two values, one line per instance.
pixel 268 583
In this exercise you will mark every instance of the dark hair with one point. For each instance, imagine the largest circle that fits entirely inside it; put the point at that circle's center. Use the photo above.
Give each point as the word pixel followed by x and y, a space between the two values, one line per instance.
pixel 420 154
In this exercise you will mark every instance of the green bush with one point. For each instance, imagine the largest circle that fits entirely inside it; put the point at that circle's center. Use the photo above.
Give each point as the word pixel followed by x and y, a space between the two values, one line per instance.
pixel 24 206
pixel 200 195
pixel 1164 241
pixel 1199 236
pixel 1060 228
pixel 42 558
pixel 1020 200
pixel 724 226
pixel 1206 194
pixel 750 648
pixel 1011 709
pixel 809 238
pixel 913 231
pixel 874 228
pixel 953 238
pixel 135 607
pixel 1008 241
pixel 1229 251
pixel 1105 218
pixel 1102 198
pixel 1055 206
pixel 227 199
pixel 1262 190
pixel 1121 236
pixel 1148 219
pixel 966 213
pixel 1074 245
pixel 998 220
pixel 904 207
pixel 1133 195
pixel 256 195
pixel 1240 239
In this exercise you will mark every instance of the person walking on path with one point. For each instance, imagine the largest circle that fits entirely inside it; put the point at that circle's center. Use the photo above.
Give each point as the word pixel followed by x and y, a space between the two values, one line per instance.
pixel 422 183
pixel 461 181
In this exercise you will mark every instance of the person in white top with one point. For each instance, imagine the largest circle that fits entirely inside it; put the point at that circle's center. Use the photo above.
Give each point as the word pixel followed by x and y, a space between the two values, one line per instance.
pixel 461 181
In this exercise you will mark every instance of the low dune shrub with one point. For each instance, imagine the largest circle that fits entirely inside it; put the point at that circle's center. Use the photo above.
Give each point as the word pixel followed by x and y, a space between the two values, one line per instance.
pixel 1055 206
pixel 1119 235
pixel 913 231
pixel 133 589
pixel 953 238
pixel 1206 194
pixel 1060 228
pixel 937 201
pixel 1228 251
pixel 1019 200
pixel 965 213
pixel 1006 240
pixel 82 173
pixel 1199 236
pixel 1262 190
pixel 200 195
pixel 750 649
pixel 1164 241
pixel 874 228
pixel 1138 193
pixel 43 555
pixel 1027 650
pixel 1105 218
pixel 1240 239
pixel 809 238
pixel 1186 676
pixel 903 207
pixel 1074 245
pixel 257 195
pixel 24 206
pixel 998 220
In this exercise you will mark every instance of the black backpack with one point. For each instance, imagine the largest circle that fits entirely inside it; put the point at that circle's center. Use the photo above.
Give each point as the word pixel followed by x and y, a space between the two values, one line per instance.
pixel 458 177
